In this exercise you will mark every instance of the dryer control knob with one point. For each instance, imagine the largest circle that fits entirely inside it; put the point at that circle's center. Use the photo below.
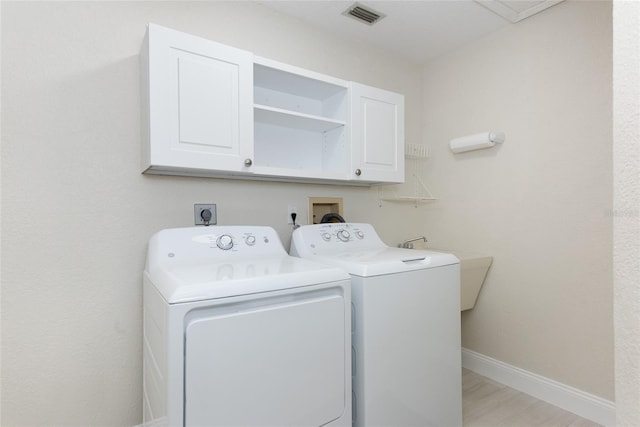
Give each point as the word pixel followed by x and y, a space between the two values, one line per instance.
pixel 224 242
pixel 251 240
pixel 359 234
pixel 326 236
pixel 344 235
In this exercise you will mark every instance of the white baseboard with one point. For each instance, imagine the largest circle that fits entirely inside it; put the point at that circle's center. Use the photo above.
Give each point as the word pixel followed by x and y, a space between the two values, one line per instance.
pixel 586 405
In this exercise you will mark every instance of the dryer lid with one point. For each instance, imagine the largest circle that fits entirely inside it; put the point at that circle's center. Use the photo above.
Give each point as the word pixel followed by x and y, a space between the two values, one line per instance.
pixel 196 281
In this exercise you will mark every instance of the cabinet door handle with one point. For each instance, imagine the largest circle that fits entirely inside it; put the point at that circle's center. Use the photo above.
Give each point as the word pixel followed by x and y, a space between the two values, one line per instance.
pixel 358 172
pixel 248 162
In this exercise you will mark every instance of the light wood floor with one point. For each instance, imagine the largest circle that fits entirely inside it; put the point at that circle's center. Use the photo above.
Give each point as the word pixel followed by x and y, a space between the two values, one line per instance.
pixel 488 403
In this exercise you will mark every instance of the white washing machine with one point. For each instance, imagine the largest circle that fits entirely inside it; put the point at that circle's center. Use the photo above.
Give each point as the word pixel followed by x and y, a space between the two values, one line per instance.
pixel 239 333
pixel 406 325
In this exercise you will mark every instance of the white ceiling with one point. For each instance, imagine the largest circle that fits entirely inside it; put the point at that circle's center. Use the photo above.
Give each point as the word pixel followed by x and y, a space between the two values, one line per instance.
pixel 417 30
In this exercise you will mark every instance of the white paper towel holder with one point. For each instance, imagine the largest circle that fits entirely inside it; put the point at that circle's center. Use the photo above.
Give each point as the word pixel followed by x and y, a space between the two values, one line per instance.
pixel 477 141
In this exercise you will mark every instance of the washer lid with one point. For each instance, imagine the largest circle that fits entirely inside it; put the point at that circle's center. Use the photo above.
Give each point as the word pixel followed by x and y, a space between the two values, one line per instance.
pixel 197 280
pixel 367 263
pixel 357 248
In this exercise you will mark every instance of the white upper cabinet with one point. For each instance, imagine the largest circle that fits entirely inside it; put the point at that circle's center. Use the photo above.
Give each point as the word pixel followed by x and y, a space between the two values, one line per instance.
pixel 214 110
pixel 377 134
pixel 199 103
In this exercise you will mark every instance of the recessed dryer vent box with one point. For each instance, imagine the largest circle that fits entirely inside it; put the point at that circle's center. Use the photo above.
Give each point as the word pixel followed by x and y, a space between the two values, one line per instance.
pixel 320 206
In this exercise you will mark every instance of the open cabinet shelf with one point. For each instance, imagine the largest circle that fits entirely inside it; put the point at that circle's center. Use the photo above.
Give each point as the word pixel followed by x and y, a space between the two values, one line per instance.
pixel 299 122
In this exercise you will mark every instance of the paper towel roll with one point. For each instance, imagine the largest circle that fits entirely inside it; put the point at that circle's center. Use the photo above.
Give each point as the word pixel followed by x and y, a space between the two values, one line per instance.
pixel 476 142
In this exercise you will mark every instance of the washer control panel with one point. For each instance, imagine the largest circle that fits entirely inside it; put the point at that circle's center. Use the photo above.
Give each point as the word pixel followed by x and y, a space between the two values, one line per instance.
pixel 335 236
pixel 341 232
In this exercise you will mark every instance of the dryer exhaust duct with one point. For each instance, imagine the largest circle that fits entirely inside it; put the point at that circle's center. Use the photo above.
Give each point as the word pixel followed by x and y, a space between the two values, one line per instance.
pixel 363 14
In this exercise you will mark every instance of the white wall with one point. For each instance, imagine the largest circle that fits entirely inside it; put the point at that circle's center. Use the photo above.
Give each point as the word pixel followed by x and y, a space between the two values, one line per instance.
pixel 541 204
pixel 77 213
pixel 626 225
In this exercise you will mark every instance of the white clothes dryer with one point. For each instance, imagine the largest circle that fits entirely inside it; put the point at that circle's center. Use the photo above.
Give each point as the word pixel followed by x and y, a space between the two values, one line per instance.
pixel 406 325
pixel 239 333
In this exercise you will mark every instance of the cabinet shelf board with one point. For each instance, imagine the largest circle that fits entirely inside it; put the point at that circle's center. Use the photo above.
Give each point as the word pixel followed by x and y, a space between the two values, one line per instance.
pixel 298 173
pixel 292 119
pixel 400 199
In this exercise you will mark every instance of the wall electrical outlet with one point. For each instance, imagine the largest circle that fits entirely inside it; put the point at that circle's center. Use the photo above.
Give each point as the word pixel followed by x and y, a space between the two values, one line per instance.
pixel 291 209
pixel 205 214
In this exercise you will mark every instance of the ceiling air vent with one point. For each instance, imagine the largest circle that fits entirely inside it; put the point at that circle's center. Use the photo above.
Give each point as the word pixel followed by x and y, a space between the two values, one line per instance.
pixel 363 14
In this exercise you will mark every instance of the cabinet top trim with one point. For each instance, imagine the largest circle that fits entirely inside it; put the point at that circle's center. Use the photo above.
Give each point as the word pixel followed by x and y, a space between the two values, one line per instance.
pixel 299 71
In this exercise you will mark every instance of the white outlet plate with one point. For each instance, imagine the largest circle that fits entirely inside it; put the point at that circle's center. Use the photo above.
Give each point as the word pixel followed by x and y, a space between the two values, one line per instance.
pixel 197 214
pixel 291 209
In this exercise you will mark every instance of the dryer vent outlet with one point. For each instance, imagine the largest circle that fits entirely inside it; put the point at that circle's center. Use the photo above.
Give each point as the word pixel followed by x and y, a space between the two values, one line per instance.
pixel 321 206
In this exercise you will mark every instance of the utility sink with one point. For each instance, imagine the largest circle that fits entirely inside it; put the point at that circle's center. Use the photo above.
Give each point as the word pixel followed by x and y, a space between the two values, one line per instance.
pixel 473 270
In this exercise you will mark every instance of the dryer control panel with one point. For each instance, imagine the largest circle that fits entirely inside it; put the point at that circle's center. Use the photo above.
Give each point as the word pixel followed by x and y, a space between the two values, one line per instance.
pixel 215 242
pixel 236 240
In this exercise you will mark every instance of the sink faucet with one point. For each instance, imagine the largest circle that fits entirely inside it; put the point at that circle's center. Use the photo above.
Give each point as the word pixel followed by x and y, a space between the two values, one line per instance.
pixel 408 244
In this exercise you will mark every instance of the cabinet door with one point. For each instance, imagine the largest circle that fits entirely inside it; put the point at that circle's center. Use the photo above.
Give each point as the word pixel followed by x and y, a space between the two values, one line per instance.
pixel 377 135
pixel 200 103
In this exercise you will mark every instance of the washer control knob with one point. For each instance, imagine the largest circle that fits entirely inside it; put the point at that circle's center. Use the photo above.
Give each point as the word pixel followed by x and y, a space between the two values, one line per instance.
pixel 224 242
pixel 344 235
pixel 251 240
pixel 326 237
pixel 359 234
